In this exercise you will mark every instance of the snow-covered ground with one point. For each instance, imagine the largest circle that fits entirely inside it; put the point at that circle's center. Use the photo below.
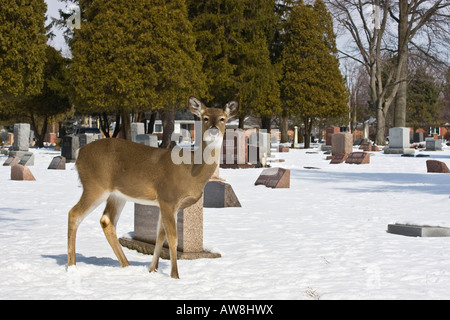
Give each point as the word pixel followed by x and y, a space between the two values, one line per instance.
pixel 323 238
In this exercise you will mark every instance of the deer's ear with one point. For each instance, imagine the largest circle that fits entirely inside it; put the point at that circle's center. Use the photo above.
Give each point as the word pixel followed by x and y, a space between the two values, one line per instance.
pixel 196 106
pixel 231 108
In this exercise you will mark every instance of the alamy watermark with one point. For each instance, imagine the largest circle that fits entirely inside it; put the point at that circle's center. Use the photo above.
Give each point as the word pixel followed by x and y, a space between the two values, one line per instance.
pixel 74 21
pixel 232 149
pixel 373 14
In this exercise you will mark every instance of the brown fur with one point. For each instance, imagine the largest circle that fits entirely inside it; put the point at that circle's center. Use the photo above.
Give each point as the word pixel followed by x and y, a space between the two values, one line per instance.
pixel 140 172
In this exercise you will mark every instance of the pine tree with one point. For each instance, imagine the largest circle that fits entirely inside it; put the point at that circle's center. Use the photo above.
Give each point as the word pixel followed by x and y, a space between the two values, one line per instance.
pixel 423 97
pixel 134 57
pixel 312 85
pixel 234 37
pixel 22 47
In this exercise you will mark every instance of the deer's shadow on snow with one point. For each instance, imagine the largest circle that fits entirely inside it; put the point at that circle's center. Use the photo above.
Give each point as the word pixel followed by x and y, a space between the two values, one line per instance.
pixel 61 259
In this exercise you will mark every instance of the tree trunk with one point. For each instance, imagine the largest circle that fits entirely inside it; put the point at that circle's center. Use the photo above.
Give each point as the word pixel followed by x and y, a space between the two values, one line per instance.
pixel 284 129
pixel 125 128
pixel 168 123
pixel 104 124
pixel 308 129
pixel 39 134
pixel 381 126
pixel 241 122
pixel 402 61
pixel 151 124
pixel 266 123
pixel 117 127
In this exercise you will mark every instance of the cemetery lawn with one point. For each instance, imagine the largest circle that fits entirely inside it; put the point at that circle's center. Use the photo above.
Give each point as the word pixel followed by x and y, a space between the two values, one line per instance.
pixel 323 238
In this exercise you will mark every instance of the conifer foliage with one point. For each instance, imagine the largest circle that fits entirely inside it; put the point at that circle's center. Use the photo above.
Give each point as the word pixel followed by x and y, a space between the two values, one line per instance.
pixel 22 47
pixel 234 37
pixel 312 85
pixel 135 57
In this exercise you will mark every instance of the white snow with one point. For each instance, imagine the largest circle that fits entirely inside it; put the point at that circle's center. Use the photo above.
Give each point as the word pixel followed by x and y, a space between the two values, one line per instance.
pixel 323 238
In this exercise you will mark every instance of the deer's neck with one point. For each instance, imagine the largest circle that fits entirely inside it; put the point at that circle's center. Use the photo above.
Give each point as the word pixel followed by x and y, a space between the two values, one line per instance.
pixel 210 159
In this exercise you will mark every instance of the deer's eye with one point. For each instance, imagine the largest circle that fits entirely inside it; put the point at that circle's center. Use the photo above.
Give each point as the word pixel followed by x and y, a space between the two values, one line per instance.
pixel 222 119
pixel 205 119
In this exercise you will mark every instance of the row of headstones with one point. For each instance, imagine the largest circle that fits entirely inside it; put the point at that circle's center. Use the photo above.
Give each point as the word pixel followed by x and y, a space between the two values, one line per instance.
pixel 342 150
pixel 399 141
pixel 21 172
pixel 240 150
pixel 71 144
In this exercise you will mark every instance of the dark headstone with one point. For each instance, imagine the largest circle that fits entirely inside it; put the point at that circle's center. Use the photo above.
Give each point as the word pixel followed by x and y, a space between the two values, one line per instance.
pixel 437 166
pixel 70 145
pixel 418 137
pixel 218 194
pixel 58 163
pixel 358 158
pixel 274 178
pixel 418 231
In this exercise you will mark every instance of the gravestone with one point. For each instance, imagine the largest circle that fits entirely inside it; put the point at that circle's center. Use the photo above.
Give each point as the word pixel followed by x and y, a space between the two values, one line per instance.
pixel 283 149
pixel 21 137
pixel 258 148
pixel 329 134
pixel 365 136
pixel 149 140
pixel 339 158
pixel 341 143
pixel 436 166
pixel 296 145
pixel 274 178
pixel 358 158
pixel 261 139
pixel 85 138
pixel 12 160
pixel 432 144
pixel 418 231
pixel 189 231
pixel 137 128
pixel 218 194
pixel 58 163
pixel 418 137
pixel 399 141
pixel 70 146
pixel 368 146
pixel 19 172
pixel 27 159
pixel 235 150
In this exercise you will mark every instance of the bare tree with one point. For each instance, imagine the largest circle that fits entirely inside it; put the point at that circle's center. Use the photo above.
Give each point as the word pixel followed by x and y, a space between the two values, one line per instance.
pixel 371 25
pixel 430 19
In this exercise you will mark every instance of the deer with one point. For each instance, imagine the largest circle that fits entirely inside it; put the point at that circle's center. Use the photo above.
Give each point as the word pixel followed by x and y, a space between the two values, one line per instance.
pixel 145 175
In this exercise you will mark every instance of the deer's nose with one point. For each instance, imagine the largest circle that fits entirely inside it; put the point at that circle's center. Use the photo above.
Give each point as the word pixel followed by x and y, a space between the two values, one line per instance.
pixel 213 131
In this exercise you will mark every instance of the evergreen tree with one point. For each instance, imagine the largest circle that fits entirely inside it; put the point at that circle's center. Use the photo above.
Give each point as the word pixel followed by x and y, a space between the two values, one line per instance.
pixel 312 85
pixel 22 47
pixel 53 99
pixel 234 37
pixel 134 58
pixel 423 96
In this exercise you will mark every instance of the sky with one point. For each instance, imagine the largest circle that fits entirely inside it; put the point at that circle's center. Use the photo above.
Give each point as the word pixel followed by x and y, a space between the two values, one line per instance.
pixel 52 12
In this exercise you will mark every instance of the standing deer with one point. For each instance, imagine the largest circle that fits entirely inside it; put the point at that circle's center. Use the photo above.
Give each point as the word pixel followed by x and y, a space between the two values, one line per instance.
pixel 145 175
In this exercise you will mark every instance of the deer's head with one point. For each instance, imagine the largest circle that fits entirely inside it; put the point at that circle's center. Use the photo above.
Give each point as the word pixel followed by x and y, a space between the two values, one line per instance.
pixel 213 119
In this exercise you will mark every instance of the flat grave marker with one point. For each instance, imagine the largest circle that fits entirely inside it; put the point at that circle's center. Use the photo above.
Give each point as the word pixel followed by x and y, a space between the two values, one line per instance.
pixel 358 158
pixel 274 178
pixel 58 163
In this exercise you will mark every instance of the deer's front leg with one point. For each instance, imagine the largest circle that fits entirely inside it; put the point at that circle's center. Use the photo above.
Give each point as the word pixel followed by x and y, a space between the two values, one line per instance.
pixel 170 227
pixel 158 246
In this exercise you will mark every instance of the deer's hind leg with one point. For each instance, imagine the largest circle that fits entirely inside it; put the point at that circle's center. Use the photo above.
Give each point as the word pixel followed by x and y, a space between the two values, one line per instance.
pixel 108 221
pixel 87 203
